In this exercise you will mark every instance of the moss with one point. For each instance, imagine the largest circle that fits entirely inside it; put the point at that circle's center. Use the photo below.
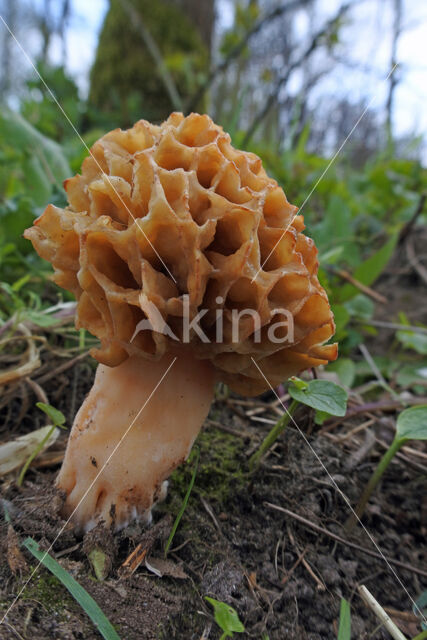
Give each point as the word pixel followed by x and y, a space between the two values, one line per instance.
pixel 220 473
pixel 49 592
pixel 124 76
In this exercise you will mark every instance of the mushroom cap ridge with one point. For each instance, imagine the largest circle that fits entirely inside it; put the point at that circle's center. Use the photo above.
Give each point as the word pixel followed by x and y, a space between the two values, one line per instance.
pixel 171 222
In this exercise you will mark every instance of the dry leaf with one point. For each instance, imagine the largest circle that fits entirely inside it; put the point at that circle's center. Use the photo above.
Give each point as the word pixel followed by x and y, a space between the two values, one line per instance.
pixel 15 559
pixel 13 454
pixel 162 567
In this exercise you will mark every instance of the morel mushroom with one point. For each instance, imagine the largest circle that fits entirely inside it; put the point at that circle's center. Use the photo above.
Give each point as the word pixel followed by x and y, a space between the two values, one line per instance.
pixel 182 254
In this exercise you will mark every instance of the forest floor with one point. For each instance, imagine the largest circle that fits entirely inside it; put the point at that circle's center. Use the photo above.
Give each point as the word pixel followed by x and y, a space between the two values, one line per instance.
pixel 284 572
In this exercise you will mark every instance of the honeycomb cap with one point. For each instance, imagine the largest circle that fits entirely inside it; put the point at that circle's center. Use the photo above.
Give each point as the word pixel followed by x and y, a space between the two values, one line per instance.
pixel 171 221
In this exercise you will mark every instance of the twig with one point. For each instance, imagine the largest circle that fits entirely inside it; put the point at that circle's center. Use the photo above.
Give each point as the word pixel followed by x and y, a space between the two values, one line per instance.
pixel 236 51
pixel 371 406
pixel 409 225
pixel 352 545
pixel 284 79
pixel 39 392
pixel 352 432
pixel 294 566
pixel 48 459
pixel 402 615
pixel 133 561
pixel 317 580
pixel 377 373
pixel 223 427
pixel 369 359
pixel 27 366
pixel 361 453
pixel 345 275
pixel 62 368
pixel 211 514
pixel 206 631
pixel 65 552
pixel 419 268
pixel 385 619
pixel 154 51
pixel 392 325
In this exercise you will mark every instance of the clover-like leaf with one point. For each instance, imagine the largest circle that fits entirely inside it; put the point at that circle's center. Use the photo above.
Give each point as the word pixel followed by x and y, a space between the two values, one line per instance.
pixel 345 370
pixel 55 415
pixel 321 416
pixel 226 617
pixel 413 340
pixel 412 423
pixel 321 395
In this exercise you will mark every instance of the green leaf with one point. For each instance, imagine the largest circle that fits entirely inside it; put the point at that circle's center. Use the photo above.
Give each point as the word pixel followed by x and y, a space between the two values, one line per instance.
pixel 38 184
pixel 345 370
pixel 360 306
pixel 410 374
pixel 100 563
pixel 344 629
pixel 299 384
pixel 321 395
pixel 40 319
pixel 385 365
pixel 413 340
pixel 55 415
pixel 370 269
pixel 43 162
pixel 412 423
pixel 321 416
pixel 331 256
pixel 341 318
pixel 82 597
pixel 226 617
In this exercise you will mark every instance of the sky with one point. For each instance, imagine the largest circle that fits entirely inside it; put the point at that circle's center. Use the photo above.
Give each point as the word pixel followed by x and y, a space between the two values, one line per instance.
pixel 365 43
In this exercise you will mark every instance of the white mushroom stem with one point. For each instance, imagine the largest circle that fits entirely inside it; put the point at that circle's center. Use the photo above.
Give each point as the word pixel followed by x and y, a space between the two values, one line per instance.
pixel 131 432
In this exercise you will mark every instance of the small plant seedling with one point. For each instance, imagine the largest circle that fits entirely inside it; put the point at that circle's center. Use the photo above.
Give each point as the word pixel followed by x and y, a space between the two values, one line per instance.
pixel 58 421
pixel 411 425
pixel 226 618
pixel 344 628
pixel 184 504
pixel 327 398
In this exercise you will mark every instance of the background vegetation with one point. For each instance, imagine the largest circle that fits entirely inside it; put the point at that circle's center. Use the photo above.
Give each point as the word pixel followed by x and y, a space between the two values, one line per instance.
pixel 263 74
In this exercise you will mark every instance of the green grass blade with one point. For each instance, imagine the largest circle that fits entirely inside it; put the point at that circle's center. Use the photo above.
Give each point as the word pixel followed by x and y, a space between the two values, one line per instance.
pixel 79 594
pixel 344 629
pixel 183 506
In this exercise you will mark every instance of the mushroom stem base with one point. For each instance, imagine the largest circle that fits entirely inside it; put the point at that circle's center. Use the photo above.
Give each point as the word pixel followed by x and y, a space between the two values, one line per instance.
pixel 133 429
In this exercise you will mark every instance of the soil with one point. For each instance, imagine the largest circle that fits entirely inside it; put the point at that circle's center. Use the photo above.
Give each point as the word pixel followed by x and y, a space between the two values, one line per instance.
pixel 284 577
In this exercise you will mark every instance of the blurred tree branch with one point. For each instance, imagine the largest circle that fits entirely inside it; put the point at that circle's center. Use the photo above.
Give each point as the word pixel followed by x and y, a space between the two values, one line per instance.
pixel 238 49
pixel 155 53
pixel 10 14
pixel 393 80
pixel 282 81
